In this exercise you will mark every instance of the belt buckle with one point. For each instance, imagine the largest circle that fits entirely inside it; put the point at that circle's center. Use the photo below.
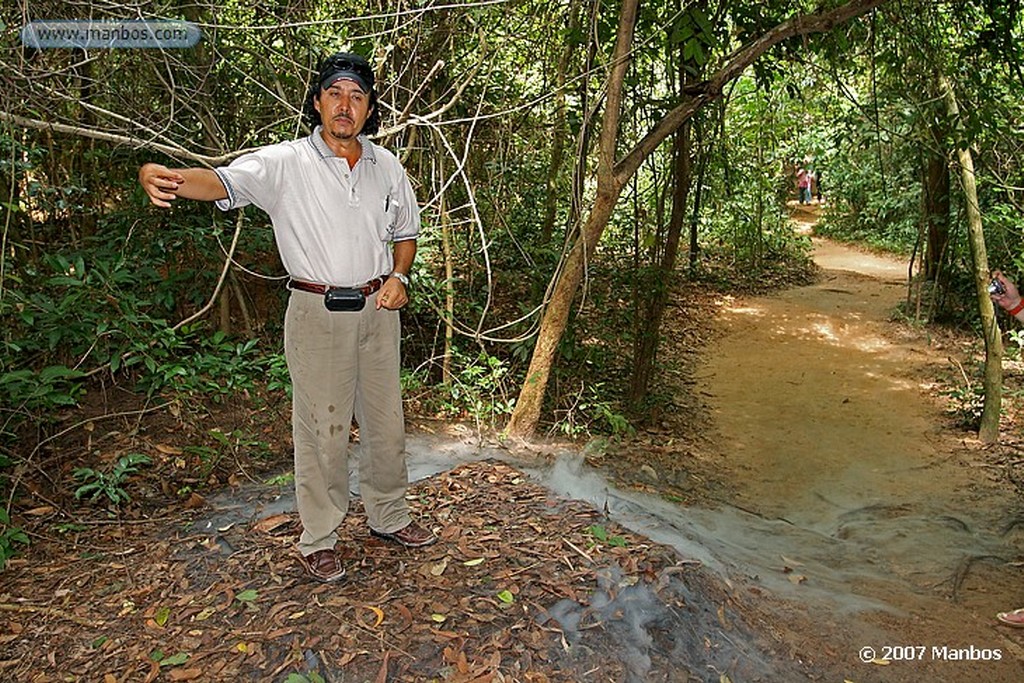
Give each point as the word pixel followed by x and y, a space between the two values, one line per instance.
pixel 374 284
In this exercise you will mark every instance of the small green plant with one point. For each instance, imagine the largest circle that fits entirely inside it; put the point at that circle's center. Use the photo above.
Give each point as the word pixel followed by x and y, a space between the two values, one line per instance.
pixel 966 404
pixel 1014 349
pixel 601 534
pixel 10 537
pixel 478 387
pixel 312 677
pixel 163 659
pixel 277 375
pixel 286 479
pixel 110 483
pixel 592 412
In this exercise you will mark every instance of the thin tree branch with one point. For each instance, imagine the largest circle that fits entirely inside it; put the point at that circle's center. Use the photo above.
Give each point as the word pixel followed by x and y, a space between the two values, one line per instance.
pixel 735 65
pixel 175 151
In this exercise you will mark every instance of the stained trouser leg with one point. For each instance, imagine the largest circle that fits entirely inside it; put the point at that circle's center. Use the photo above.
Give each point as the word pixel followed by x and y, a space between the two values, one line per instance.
pixel 383 476
pixel 320 351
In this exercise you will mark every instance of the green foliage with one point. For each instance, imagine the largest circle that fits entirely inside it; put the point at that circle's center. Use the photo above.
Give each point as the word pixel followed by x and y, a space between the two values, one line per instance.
pixel 1015 347
pixel 275 370
pixel 100 305
pixel 93 280
pixel 694 31
pixel 53 386
pixel 106 307
pixel 594 410
pixel 871 203
pixel 232 444
pixel 479 388
pixel 109 483
pixel 886 219
pixel 10 538
pixel 966 404
pixel 211 367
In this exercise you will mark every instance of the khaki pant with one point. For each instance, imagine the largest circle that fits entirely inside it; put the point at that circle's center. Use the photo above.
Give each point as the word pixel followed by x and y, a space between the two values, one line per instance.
pixel 344 364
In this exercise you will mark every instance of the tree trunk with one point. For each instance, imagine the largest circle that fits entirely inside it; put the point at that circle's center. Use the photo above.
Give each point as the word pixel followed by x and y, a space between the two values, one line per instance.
pixel 449 276
pixel 657 296
pixel 524 418
pixel 559 131
pixel 936 208
pixel 936 197
pixel 988 431
pixel 612 177
pixel 526 414
pixel 579 176
pixel 703 159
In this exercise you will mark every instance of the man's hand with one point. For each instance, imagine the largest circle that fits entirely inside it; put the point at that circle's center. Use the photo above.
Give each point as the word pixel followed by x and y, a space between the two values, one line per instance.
pixel 164 185
pixel 1009 298
pixel 160 183
pixel 392 295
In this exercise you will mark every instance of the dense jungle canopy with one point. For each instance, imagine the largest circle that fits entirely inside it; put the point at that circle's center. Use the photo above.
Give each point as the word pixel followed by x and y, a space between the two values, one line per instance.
pixel 579 165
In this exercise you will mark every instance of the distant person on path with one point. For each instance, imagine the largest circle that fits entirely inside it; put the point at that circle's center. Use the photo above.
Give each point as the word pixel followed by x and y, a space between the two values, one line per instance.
pixel 803 185
pixel 1008 298
pixel 817 184
pixel 345 220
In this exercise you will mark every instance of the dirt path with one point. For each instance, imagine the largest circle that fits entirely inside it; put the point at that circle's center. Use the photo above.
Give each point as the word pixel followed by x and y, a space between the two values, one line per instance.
pixel 888 533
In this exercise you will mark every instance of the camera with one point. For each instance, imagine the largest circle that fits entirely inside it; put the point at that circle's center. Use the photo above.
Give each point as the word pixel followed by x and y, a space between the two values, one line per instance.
pixel 996 287
pixel 344 299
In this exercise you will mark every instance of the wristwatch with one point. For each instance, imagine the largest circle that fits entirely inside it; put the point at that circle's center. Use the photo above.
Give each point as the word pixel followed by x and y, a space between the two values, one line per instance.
pixel 401 277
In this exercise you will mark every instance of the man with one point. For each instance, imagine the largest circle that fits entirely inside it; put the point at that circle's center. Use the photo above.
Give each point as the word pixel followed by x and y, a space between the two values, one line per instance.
pixel 1004 294
pixel 345 220
pixel 803 184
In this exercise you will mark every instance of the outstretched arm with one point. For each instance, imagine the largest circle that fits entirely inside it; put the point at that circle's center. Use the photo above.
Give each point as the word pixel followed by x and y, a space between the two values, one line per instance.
pixel 164 185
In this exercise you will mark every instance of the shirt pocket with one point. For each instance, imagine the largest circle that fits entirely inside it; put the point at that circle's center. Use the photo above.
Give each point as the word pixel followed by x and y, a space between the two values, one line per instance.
pixel 389 221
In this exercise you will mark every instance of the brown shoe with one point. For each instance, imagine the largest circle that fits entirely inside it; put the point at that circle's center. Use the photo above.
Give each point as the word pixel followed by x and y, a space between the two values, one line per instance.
pixel 412 535
pixel 324 566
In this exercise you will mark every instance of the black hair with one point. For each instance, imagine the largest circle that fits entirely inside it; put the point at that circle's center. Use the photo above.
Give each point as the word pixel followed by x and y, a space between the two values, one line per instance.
pixel 341 61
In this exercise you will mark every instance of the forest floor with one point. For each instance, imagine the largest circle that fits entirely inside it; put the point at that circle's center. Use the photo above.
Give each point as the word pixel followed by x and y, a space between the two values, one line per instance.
pixel 806 498
pixel 900 531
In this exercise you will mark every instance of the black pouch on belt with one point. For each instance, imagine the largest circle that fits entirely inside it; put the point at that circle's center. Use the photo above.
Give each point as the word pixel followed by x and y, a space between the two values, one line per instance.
pixel 344 299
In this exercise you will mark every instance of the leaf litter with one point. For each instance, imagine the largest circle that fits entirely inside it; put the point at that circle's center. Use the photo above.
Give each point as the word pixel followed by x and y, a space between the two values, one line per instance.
pixel 521 586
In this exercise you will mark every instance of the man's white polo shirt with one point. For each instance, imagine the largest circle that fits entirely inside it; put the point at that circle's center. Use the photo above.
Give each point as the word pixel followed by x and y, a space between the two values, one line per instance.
pixel 333 224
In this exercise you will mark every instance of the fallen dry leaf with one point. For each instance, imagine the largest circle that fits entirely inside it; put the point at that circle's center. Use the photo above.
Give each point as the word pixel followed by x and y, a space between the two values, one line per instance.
pixel 378 612
pixel 268 524
pixel 791 563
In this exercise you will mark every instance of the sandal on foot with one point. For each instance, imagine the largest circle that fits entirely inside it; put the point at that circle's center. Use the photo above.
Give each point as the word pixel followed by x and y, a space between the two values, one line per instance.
pixel 1014 618
pixel 324 566
pixel 412 535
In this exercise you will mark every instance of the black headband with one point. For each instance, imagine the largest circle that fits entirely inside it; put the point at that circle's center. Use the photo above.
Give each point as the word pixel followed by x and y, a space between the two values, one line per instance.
pixel 345 75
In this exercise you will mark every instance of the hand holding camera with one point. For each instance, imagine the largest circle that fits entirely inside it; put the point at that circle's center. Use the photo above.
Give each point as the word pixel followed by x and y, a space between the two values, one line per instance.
pixel 1003 292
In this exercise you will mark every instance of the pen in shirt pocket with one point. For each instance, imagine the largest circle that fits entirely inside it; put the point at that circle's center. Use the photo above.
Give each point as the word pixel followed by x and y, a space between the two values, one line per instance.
pixel 387 202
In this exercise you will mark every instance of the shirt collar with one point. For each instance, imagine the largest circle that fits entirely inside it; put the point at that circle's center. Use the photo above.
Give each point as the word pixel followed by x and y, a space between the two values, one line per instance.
pixel 325 152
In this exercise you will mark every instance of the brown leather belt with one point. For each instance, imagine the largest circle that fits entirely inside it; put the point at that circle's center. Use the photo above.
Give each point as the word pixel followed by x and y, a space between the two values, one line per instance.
pixel 314 288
